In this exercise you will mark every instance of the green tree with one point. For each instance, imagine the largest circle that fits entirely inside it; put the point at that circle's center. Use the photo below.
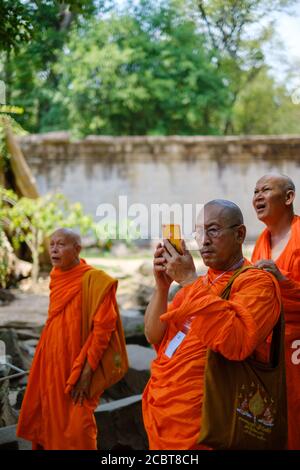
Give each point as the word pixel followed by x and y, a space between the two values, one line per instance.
pixel 4 153
pixel 141 72
pixel 27 63
pixel 135 67
pixel 33 220
pixel 4 265
pixel 237 34
pixel 19 19
pixel 16 24
pixel 264 107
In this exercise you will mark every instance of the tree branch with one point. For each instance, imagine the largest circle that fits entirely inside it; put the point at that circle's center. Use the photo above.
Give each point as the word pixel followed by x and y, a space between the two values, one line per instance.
pixel 208 24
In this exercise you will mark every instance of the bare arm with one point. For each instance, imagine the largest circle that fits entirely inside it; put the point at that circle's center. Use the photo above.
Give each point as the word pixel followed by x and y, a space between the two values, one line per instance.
pixel 154 327
pixel 168 265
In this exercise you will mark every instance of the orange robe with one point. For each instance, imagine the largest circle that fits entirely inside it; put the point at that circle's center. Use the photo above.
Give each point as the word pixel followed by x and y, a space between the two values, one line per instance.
pixel 289 264
pixel 48 415
pixel 172 400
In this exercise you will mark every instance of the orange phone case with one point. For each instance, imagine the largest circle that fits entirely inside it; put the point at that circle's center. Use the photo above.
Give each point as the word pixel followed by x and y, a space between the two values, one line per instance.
pixel 173 234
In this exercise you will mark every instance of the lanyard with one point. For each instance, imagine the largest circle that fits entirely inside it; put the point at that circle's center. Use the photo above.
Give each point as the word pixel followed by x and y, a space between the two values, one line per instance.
pixel 232 268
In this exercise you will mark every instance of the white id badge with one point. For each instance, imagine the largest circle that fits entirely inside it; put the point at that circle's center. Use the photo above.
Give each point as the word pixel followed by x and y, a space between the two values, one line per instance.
pixel 174 343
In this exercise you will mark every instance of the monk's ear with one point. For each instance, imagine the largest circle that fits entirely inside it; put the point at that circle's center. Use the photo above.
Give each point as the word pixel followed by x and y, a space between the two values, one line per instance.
pixel 289 197
pixel 241 233
pixel 77 249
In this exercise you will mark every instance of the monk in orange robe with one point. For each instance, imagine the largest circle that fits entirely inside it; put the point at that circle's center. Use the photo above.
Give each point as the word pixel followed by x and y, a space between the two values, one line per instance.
pixel 277 250
pixel 198 319
pixel 57 410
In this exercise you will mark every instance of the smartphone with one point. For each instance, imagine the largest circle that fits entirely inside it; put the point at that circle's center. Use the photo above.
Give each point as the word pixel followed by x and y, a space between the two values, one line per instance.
pixel 172 233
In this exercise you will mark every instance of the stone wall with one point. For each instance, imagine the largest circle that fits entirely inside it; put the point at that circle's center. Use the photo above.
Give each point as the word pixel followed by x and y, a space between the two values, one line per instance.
pixel 156 170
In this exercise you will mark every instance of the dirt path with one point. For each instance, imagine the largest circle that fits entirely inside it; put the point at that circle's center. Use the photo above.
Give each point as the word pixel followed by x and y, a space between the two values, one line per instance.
pixel 32 307
pixel 27 308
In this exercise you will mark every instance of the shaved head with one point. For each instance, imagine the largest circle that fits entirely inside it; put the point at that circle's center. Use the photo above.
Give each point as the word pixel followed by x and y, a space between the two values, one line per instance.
pixel 221 233
pixel 229 211
pixel 273 199
pixel 284 181
pixel 68 234
pixel 65 246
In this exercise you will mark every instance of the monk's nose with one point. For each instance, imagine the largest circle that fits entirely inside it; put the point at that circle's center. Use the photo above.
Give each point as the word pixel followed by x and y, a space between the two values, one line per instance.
pixel 258 195
pixel 206 240
pixel 257 198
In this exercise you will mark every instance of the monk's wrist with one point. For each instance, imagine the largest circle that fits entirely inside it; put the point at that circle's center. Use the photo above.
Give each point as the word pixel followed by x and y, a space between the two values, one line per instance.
pixel 88 370
pixel 162 291
pixel 189 279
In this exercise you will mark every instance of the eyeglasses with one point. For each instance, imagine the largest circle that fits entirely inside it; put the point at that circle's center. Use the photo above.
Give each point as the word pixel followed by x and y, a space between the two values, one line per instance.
pixel 210 232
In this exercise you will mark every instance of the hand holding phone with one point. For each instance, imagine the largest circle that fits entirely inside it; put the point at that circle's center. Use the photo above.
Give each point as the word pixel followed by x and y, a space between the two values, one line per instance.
pixel 172 233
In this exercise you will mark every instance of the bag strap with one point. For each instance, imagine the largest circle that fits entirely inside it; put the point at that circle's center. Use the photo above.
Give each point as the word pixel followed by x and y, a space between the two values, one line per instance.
pixel 226 291
pixel 278 330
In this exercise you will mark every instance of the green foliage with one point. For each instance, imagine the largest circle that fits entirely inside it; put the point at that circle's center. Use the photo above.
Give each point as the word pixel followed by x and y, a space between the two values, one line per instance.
pixel 3 149
pixel 265 108
pixel 29 69
pixel 32 220
pixel 19 19
pixel 141 75
pixel 108 232
pixel 5 120
pixel 155 67
pixel 144 72
pixel 4 268
pixel 237 34
pixel 16 24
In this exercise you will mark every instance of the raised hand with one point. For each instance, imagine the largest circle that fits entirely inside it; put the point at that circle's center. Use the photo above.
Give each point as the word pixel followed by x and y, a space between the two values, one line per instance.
pixel 179 268
pixel 270 266
pixel 163 280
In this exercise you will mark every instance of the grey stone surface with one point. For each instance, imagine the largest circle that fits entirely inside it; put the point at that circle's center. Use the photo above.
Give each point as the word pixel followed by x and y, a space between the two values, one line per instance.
pixel 9 440
pixel 118 404
pixel 26 311
pixel 10 338
pixel 120 425
pixel 28 347
pixel 6 297
pixel 143 295
pixel 133 322
pixel 151 169
pixel 140 358
pixel 27 334
pixel 146 268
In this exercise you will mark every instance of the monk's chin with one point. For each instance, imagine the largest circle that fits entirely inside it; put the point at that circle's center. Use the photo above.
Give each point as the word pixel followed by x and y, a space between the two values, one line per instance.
pixel 208 260
pixel 211 265
pixel 56 264
pixel 261 216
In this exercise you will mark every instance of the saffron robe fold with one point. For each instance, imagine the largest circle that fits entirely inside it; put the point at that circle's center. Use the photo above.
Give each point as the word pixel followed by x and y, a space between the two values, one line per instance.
pixel 48 415
pixel 172 399
pixel 289 264
pixel 92 297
